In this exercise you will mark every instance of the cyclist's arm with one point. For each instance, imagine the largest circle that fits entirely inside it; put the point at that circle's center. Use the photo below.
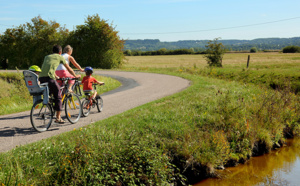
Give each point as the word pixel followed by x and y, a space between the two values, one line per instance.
pixel 100 83
pixel 72 60
pixel 71 71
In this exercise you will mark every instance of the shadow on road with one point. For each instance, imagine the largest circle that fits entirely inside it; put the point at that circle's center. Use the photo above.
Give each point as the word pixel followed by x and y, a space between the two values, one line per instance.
pixel 14 117
pixel 10 132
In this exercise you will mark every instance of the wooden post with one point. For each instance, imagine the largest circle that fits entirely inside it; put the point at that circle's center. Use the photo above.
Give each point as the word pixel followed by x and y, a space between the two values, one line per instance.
pixel 248 61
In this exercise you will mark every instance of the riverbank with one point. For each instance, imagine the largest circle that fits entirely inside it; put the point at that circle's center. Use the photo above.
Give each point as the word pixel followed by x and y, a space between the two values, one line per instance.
pixel 279 167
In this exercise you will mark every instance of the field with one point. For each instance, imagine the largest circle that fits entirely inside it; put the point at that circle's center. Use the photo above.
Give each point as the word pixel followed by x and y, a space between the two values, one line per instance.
pixel 226 116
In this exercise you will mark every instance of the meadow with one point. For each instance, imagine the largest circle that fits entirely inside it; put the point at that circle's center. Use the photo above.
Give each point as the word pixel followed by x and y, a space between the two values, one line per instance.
pixel 224 118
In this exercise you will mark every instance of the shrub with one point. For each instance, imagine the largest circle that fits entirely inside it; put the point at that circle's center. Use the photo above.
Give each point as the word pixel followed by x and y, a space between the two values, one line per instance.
pixel 253 50
pixel 214 53
pixel 291 49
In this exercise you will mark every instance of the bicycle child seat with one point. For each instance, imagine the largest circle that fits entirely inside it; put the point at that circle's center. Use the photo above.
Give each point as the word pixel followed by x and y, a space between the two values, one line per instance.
pixel 36 90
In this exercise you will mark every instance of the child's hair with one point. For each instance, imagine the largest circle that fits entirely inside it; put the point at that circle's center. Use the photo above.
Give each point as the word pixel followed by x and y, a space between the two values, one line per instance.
pixel 88 72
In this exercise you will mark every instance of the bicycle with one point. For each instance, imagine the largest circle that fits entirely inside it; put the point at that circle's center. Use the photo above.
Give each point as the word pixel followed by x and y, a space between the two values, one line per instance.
pixel 41 114
pixel 76 86
pixel 88 103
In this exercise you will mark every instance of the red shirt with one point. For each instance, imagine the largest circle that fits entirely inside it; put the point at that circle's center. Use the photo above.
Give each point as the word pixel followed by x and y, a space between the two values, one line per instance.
pixel 87 82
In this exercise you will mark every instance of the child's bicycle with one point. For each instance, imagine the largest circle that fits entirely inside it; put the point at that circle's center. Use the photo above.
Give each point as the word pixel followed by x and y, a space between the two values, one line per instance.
pixel 88 103
pixel 41 114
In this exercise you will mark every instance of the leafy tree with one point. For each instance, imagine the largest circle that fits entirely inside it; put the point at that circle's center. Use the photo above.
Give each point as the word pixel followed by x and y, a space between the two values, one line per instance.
pixel 253 50
pixel 214 53
pixel 29 43
pixel 97 44
pixel 291 49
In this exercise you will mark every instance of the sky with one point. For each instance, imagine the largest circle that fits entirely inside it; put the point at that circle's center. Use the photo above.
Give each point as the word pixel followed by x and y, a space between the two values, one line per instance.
pixel 166 20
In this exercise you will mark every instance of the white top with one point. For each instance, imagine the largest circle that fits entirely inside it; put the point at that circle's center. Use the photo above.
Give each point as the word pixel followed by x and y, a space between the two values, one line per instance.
pixel 61 66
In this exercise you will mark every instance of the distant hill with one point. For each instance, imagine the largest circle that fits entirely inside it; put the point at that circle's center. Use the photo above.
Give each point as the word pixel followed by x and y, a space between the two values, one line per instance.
pixel 198 45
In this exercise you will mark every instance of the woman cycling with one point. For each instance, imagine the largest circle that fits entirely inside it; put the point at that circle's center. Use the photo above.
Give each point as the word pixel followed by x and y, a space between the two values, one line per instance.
pixel 62 72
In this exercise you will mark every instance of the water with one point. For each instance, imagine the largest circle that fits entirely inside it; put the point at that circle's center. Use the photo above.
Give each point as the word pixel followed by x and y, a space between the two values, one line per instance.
pixel 280 167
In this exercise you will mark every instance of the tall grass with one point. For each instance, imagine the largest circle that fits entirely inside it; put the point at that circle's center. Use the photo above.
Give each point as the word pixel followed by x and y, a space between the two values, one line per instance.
pixel 178 139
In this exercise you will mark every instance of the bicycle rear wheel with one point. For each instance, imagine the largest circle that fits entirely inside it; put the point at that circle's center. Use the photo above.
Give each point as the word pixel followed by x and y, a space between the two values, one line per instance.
pixel 86 107
pixel 99 103
pixel 41 116
pixel 73 107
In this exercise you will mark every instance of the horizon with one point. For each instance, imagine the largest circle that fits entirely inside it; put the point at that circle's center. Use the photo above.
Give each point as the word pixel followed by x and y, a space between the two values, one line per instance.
pixel 223 39
pixel 167 20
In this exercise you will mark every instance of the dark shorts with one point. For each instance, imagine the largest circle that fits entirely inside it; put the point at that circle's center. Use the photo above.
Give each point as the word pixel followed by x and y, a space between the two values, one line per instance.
pixel 54 89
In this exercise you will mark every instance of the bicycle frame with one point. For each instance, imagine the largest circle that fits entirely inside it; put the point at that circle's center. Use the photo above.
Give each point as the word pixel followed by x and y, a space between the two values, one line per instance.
pixel 66 93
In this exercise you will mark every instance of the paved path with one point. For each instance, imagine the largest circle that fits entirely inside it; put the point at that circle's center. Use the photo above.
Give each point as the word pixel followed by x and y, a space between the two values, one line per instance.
pixel 137 89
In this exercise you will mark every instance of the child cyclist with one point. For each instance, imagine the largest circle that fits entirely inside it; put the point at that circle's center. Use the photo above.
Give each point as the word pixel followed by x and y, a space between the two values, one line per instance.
pixel 88 81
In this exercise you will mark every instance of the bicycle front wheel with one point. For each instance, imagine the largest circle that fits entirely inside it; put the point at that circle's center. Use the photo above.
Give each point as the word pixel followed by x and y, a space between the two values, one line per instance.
pixel 41 116
pixel 73 107
pixel 86 107
pixel 76 89
pixel 99 104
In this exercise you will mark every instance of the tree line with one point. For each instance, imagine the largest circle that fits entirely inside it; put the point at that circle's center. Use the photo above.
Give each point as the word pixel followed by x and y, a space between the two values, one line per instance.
pixel 198 45
pixel 164 51
pixel 95 43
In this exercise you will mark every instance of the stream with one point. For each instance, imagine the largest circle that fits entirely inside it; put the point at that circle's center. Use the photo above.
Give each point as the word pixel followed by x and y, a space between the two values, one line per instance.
pixel 279 167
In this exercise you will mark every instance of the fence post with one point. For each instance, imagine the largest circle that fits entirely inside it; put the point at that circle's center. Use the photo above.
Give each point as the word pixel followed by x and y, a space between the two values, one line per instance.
pixel 248 61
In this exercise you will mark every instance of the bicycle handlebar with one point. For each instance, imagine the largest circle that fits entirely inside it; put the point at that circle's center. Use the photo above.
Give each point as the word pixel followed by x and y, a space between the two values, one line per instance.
pixel 67 78
pixel 98 84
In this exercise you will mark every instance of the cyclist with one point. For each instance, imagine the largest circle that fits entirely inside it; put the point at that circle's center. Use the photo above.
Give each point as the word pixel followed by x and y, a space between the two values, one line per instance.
pixel 48 75
pixel 61 70
pixel 88 81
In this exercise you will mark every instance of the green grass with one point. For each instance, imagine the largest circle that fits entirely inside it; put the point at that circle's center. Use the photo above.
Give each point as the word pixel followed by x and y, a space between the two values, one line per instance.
pixel 218 120
pixel 16 98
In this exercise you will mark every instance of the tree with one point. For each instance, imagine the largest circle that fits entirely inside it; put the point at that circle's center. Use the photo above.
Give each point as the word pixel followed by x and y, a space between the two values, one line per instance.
pixel 97 44
pixel 29 43
pixel 253 50
pixel 214 53
pixel 291 49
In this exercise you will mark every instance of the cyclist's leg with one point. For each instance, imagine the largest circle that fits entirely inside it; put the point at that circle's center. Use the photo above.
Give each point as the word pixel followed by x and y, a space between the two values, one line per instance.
pixel 94 94
pixel 54 89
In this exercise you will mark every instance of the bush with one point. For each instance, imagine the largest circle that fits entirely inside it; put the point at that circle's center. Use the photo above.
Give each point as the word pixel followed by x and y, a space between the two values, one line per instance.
pixel 291 49
pixel 253 50
pixel 214 53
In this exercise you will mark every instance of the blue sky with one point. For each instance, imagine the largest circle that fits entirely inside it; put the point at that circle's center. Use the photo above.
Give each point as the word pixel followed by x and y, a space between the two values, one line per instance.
pixel 166 20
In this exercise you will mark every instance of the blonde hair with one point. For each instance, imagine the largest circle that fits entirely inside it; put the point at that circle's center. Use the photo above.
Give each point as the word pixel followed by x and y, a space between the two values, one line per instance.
pixel 67 49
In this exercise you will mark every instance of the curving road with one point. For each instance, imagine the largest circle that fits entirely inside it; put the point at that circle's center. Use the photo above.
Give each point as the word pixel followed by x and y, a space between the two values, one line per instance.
pixel 137 89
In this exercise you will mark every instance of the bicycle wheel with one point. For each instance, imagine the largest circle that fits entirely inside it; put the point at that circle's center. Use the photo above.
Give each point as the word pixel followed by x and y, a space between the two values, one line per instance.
pixel 86 108
pixel 41 116
pixel 76 89
pixel 99 103
pixel 72 107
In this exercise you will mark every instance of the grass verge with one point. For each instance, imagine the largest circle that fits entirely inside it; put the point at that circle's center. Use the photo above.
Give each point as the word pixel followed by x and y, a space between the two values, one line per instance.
pixel 178 139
